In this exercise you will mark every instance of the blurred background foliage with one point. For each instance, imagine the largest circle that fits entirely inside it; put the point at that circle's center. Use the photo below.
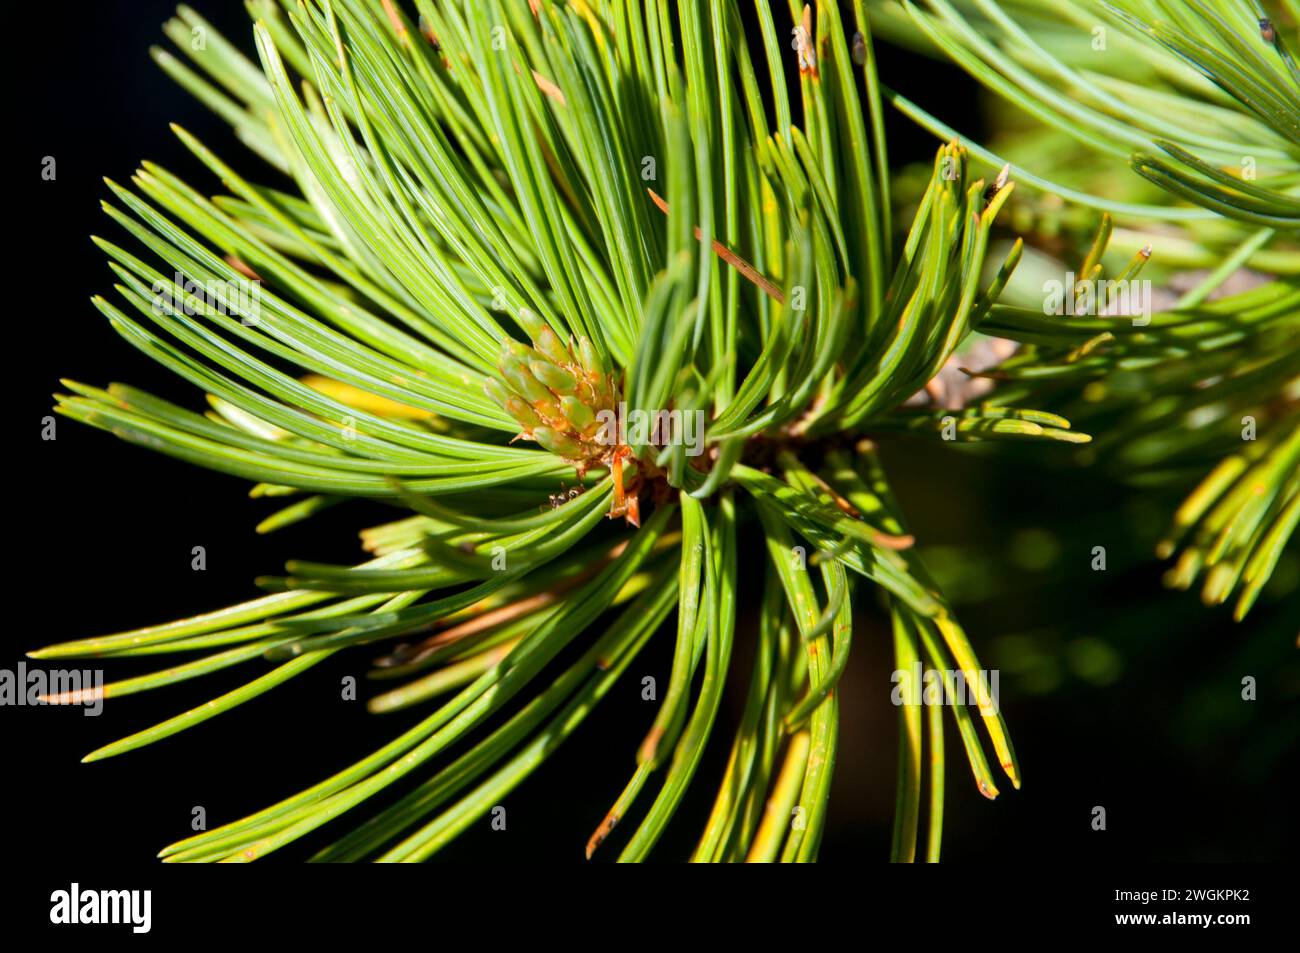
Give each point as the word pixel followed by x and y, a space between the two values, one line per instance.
pixel 1136 691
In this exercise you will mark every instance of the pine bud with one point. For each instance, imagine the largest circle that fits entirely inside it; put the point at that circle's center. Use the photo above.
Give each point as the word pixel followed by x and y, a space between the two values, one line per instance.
pixel 496 390
pixel 522 411
pixel 558 380
pixel 559 444
pixel 530 323
pixel 523 383
pixel 578 414
pixel 591 362
pixel 549 344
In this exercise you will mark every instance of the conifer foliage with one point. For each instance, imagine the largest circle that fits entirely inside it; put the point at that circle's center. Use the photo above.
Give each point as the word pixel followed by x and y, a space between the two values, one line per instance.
pixel 470 231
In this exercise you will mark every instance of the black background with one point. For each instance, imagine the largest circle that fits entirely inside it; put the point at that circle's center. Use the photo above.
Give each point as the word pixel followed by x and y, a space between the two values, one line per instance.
pixel 101 535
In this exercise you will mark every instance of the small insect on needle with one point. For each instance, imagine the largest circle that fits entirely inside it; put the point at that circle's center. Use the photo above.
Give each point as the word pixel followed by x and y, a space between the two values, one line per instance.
pixel 998 184
pixel 859 47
